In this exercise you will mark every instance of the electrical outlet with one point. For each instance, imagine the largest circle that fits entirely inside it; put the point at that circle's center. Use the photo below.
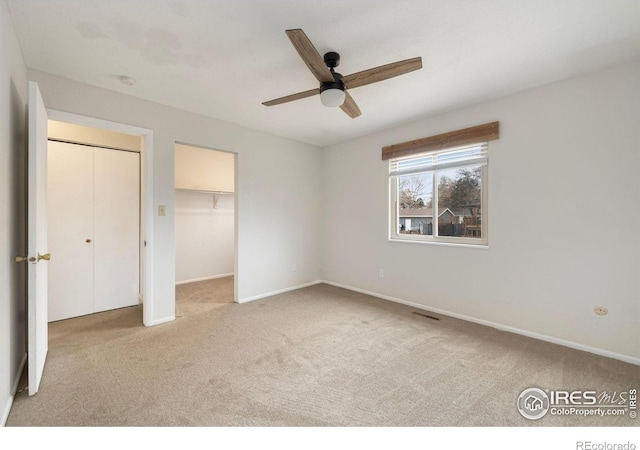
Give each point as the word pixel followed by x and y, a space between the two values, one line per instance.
pixel 162 210
pixel 600 310
pixel 294 267
pixel 381 273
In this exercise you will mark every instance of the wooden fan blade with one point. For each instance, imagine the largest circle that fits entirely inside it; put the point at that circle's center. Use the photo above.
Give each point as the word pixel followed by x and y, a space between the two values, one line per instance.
pixel 349 106
pixel 310 55
pixel 381 73
pixel 292 97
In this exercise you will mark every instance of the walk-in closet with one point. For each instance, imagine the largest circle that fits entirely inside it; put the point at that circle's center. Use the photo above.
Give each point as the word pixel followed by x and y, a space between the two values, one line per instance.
pixel 204 224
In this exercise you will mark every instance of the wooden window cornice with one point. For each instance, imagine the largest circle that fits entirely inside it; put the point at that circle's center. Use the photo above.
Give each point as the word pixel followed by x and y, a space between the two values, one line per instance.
pixel 466 136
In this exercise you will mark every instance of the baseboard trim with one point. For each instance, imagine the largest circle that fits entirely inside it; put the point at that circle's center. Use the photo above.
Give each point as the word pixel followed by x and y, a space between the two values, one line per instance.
pixel 498 326
pixel 7 409
pixel 161 321
pixel 213 277
pixel 280 291
pixel 14 389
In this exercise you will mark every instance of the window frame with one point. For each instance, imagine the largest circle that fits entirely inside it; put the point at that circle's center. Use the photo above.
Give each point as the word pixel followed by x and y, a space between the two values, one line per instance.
pixel 394 210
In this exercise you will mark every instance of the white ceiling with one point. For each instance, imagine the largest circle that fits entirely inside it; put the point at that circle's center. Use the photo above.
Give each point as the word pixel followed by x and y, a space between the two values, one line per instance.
pixel 223 58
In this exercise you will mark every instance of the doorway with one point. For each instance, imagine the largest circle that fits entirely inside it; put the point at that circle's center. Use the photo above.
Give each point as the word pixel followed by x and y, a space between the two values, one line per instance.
pixel 205 230
pixel 115 133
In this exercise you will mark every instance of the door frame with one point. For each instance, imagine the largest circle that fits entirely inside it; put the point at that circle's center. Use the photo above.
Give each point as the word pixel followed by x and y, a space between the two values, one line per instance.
pixel 146 198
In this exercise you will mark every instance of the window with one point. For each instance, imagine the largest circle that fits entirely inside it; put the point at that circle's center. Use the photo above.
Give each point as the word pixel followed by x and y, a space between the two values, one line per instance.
pixel 440 196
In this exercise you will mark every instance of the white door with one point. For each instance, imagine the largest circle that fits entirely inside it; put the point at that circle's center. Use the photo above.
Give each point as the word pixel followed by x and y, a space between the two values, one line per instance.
pixel 94 229
pixel 38 331
pixel 70 169
pixel 116 229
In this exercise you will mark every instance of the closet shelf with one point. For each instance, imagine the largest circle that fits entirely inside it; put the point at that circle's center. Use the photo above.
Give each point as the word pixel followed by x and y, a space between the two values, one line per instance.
pixel 205 191
pixel 214 199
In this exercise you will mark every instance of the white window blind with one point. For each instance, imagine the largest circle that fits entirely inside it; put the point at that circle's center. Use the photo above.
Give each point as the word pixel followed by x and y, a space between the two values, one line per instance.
pixel 475 154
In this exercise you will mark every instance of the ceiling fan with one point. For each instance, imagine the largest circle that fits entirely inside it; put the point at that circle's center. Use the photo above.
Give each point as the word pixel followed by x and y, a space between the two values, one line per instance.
pixel 333 86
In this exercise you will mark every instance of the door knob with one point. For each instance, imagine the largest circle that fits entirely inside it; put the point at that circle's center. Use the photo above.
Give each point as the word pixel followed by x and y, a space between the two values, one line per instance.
pixel 46 257
pixel 20 259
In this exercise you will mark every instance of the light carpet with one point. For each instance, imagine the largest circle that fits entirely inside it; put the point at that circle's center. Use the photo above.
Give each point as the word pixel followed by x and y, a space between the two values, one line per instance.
pixel 318 356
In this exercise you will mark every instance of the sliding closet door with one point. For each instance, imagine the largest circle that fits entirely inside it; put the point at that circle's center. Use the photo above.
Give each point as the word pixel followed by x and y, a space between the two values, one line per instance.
pixel 70 229
pixel 94 227
pixel 116 228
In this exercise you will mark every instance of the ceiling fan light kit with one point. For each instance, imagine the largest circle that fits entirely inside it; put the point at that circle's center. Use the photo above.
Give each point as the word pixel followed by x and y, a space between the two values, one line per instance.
pixel 333 86
pixel 332 95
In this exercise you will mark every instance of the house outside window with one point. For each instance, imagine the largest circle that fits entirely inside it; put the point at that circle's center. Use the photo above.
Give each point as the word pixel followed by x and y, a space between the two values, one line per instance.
pixel 440 196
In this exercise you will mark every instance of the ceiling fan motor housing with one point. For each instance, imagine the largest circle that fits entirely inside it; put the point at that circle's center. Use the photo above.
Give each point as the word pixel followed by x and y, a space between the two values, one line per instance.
pixel 331 85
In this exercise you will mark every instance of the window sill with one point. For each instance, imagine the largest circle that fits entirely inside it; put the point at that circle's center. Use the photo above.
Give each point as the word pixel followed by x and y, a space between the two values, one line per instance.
pixel 448 244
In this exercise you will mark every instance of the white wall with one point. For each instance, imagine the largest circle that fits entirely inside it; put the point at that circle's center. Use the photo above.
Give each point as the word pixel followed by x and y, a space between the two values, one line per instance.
pixel 564 217
pixel 13 99
pixel 204 236
pixel 277 195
